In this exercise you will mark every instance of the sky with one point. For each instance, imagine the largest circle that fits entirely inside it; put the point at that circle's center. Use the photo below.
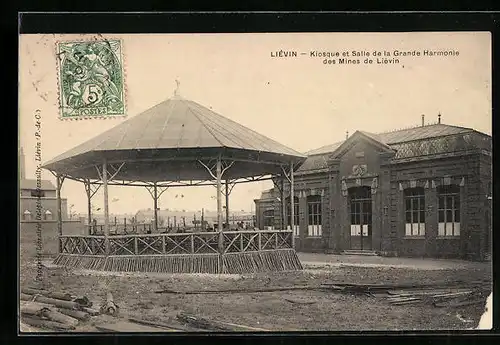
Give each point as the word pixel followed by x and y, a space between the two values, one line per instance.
pixel 300 102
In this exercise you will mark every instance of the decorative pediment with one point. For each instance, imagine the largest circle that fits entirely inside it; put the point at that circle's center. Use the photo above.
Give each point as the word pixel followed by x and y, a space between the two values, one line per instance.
pixel 358 136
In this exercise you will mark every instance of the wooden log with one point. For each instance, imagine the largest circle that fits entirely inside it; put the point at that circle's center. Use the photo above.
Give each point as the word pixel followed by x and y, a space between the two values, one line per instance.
pixel 46 324
pixel 77 314
pixel 52 301
pixel 33 309
pixel 109 307
pixel 83 301
pixel 91 311
pixel 57 295
pixel 204 323
pixel 54 315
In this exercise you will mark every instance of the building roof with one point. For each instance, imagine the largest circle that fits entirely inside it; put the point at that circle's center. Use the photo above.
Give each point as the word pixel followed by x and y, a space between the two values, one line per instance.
pixel 175 127
pixel 32 184
pixel 267 194
pixel 400 136
pixel 317 158
pixel 418 133
pixel 179 123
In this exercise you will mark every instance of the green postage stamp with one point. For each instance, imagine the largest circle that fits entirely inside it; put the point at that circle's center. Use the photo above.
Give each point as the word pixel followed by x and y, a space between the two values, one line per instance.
pixel 91 80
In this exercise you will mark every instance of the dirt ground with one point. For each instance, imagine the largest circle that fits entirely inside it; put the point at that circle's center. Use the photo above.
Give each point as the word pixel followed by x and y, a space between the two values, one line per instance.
pixel 324 311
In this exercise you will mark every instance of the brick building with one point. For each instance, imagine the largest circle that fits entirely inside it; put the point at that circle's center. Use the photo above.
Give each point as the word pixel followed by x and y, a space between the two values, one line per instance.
pixel 423 191
pixel 29 195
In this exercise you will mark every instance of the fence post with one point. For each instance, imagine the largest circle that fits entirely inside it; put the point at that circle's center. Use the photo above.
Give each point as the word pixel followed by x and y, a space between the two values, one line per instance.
pixel 276 234
pixel 259 236
pixel 136 249
pixel 241 242
pixel 163 243
pixel 192 243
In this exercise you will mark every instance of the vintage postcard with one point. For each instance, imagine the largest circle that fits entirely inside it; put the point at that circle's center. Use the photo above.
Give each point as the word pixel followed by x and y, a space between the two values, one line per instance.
pixel 255 182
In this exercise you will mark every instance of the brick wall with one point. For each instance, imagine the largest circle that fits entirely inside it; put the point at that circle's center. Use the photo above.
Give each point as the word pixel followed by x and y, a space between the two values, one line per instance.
pixel 28 236
pixel 470 243
pixel 50 204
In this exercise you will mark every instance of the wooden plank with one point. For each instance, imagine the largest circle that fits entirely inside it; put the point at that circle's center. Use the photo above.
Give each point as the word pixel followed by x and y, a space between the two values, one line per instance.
pixel 127 326
pixel 452 295
pixel 424 291
pixel 160 325
pixel 403 299
pixel 208 324
pixel 271 289
pixel 299 300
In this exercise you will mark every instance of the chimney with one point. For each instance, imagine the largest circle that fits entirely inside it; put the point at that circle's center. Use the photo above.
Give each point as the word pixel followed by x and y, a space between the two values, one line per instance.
pixel 22 166
pixel 177 91
pixel 439 118
pixel 346 135
pixel 423 120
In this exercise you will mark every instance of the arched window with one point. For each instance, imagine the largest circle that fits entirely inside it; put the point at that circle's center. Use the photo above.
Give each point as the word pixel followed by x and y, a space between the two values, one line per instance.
pixel 268 217
pixel 295 214
pixel 414 211
pixel 449 210
pixel 27 215
pixel 314 216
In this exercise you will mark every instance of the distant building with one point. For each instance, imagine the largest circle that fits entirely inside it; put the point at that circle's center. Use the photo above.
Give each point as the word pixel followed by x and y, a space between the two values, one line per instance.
pixel 168 217
pixel 266 208
pixel 422 191
pixel 29 194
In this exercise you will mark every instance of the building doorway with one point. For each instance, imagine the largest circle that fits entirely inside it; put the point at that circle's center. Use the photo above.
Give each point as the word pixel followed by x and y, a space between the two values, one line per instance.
pixel 360 209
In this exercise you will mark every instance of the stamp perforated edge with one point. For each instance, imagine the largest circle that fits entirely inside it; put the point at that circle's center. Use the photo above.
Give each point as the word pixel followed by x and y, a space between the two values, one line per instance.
pixel 124 70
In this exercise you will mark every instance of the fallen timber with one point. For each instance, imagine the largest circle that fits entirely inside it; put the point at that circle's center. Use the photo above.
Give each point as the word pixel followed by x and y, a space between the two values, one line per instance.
pixel 62 313
pixel 53 301
pixel 109 307
pixel 332 287
pixel 77 314
pixel 439 296
pixel 44 324
pixel 213 325
pixel 161 325
pixel 41 311
pixel 255 290
pixel 83 301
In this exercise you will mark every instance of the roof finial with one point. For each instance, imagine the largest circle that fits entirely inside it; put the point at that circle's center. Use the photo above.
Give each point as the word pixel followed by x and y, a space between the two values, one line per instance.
pixel 176 91
pixel 346 134
pixel 439 118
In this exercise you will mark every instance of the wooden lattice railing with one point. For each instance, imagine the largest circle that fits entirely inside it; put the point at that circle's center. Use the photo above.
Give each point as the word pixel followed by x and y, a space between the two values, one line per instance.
pixel 178 243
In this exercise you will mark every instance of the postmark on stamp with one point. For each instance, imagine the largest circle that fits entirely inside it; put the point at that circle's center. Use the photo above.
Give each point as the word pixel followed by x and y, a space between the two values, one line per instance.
pixel 91 82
